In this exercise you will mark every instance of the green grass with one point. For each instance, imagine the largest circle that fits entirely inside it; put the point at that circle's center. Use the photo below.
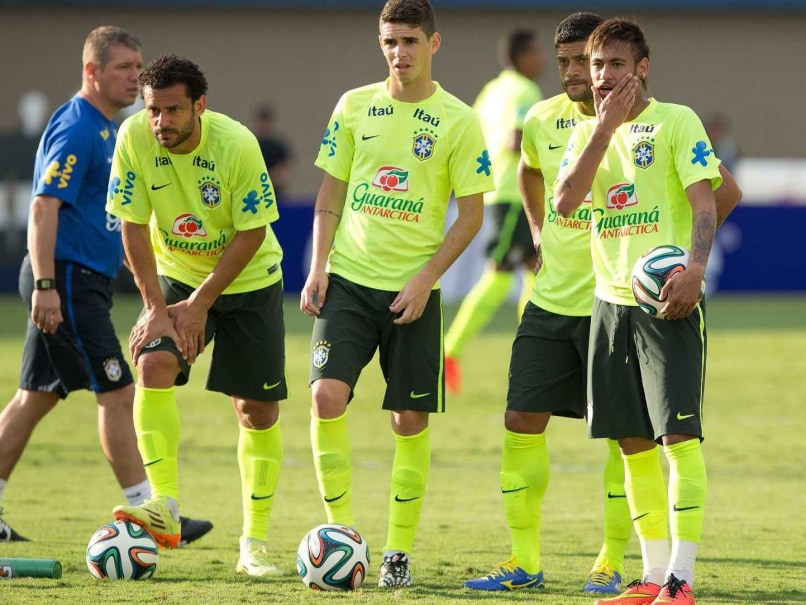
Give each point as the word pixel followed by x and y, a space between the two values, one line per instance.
pixel 753 546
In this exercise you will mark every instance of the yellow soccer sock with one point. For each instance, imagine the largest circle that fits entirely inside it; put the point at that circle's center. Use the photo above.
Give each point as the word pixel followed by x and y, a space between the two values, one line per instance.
pixel 409 475
pixel 527 286
pixel 156 421
pixel 260 456
pixel 687 487
pixel 617 521
pixel 525 477
pixel 646 493
pixel 331 458
pixel 477 309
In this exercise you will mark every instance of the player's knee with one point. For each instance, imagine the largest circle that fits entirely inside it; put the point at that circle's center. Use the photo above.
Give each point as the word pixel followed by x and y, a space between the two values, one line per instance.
pixel 256 415
pixel 329 398
pixel 157 370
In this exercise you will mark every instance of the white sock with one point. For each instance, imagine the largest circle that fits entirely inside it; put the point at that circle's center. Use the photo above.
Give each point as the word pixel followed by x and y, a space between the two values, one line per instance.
pixel 137 494
pixel 655 554
pixel 684 553
pixel 3 483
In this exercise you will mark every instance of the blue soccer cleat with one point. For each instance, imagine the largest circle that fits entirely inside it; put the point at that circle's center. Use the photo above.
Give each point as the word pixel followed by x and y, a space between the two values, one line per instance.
pixel 507 576
pixel 603 580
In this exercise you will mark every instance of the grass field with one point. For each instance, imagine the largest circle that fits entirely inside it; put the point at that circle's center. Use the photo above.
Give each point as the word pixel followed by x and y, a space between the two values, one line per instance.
pixel 754 545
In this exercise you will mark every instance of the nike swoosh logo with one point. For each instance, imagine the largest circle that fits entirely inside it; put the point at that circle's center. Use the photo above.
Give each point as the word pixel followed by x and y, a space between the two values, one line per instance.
pixel 639 517
pixel 553 147
pixel 152 462
pixel 512 491
pixel 414 395
pixel 254 497
pixel 367 138
pixel 157 188
pixel 341 495
pixel 684 416
pixel 399 499
pixel 512 585
pixel 269 387
pixel 682 508
pixel 610 495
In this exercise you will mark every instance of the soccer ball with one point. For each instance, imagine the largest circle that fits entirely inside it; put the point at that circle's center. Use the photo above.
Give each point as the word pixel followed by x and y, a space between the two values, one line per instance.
pixel 122 551
pixel 332 557
pixel 651 272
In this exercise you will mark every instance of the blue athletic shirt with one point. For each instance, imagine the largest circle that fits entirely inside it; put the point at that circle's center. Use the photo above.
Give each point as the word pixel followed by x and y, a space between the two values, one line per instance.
pixel 72 164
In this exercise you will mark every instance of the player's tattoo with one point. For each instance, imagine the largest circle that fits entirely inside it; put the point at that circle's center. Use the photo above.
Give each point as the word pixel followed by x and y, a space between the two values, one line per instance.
pixel 704 227
pixel 336 214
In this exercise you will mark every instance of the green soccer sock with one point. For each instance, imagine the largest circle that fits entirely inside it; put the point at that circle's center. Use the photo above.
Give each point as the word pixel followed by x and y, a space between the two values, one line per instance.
pixel 260 456
pixel 331 458
pixel 527 286
pixel 687 487
pixel 646 493
pixel 410 469
pixel 617 521
pixel 156 421
pixel 477 309
pixel 525 477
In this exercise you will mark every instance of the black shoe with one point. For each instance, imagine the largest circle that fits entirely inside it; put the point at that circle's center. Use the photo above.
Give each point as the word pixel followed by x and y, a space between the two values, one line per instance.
pixel 7 534
pixel 193 529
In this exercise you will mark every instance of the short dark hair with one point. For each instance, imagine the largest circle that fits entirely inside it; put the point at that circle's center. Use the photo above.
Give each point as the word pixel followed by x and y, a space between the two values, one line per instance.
pixel 515 44
pixel 414 13
pixel 620 30
pixel 576 27
pixel 167 70
pixel 101 39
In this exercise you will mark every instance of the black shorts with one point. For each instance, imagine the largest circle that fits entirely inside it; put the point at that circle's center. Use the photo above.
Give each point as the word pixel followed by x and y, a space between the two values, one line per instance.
pixel 549 363
pixel 84 353
pixel 646 376
pixel 249 351
pixel 355 322
pixel 510 240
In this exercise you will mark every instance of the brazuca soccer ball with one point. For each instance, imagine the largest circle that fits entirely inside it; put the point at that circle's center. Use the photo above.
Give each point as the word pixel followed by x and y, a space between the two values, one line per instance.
pixel 651 272
pixel 122 551
pixel 332 557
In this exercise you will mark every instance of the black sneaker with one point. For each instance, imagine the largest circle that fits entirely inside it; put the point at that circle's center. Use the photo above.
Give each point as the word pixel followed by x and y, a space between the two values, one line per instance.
pixel 395 571
pixel 7 534
pixel 193 529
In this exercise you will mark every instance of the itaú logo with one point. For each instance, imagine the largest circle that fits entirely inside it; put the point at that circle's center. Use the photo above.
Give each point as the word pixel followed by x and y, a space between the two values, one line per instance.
pixel 187 225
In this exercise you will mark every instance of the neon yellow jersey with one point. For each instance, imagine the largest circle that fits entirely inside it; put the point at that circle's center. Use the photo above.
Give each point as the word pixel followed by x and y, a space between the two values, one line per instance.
pixel 196 202
pixel 639 197
pixel 401 161
pixel 501 106
pixel 564 284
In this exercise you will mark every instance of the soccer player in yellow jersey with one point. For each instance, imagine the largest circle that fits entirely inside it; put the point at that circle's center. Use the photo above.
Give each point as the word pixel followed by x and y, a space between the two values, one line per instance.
pixel 392 154
pixel 196 201
pixel 501 105
pixel 651 173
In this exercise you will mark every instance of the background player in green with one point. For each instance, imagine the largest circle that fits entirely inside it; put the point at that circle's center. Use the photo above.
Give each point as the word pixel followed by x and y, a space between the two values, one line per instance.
pixel 208 265
pixel 549 355
pixel 74 253
pixel 392 154
pixel 646 376
pixel 501 106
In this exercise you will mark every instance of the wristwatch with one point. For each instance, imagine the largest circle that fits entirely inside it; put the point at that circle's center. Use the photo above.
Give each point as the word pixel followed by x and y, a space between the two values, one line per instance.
pixel 45 284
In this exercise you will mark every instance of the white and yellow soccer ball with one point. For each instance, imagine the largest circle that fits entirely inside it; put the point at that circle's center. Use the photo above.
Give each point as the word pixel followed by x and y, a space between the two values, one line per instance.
pixel 122 550
pixel 333 557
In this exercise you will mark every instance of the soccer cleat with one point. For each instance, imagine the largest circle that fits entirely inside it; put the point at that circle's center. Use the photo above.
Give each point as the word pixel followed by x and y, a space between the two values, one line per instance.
pixel 603 580
pixel 507 576
pixel 675 591
pixel 192 530
pixel 395 571
pixel 453 375
pixel 7 534
pixel 159 517
pixel 254 560
pixel 637 593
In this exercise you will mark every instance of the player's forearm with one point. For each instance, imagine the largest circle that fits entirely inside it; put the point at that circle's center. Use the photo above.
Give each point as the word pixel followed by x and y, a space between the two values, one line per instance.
pixel 143 265
pixel 574 184
pixel 458 237
pixel 235 258
pixel 703 224
pixel 532 186
pixel 326 219
pixel 727 196
pixel 42 227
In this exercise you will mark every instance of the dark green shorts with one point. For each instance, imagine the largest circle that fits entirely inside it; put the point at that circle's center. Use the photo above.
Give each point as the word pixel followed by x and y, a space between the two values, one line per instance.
pixel 249 352
pixel 355 322
pixel 548 367
pixel 646 376
pixel 510 240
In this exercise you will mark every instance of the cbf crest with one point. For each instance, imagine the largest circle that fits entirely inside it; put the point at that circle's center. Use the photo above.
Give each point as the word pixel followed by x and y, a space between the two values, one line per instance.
pixel 321 352
pixel 113 369
pixel 644 154
pixel 424 142
pixel 210 190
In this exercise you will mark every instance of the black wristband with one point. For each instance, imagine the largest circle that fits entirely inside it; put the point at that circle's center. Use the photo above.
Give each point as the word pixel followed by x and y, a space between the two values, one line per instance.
pixel 45 284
